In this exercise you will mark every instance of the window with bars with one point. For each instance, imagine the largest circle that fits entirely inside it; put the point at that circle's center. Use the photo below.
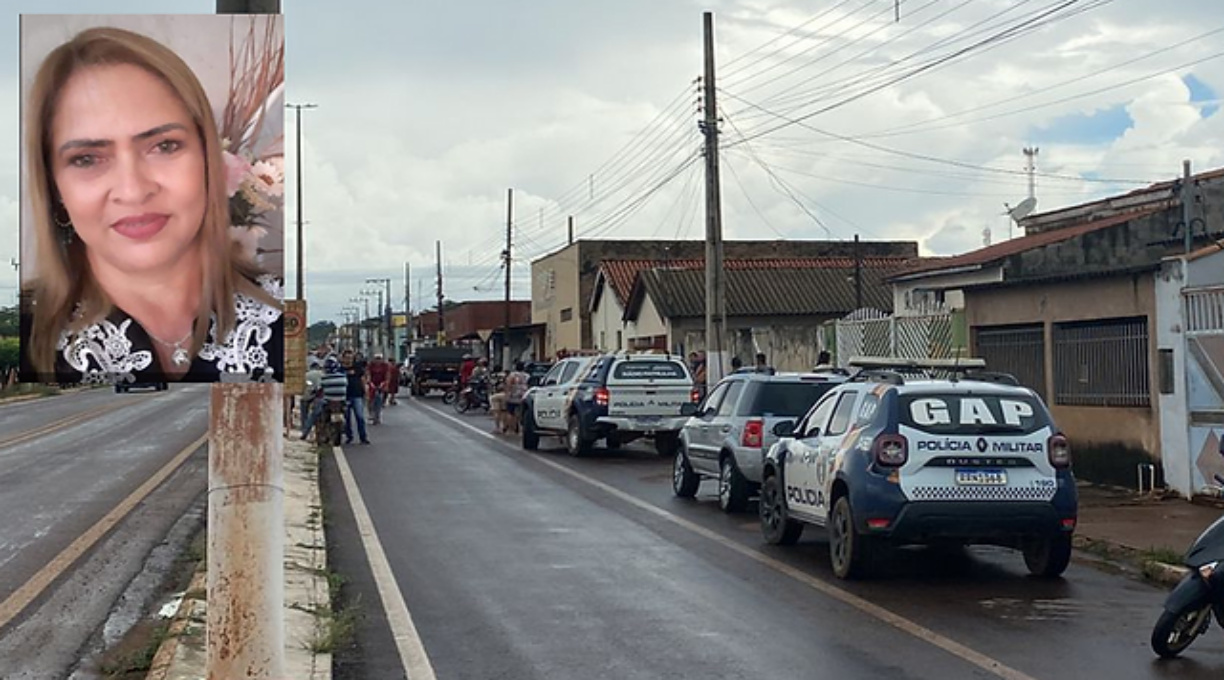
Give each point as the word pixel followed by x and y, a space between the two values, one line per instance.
pixel 1102 363
pixel 1018 350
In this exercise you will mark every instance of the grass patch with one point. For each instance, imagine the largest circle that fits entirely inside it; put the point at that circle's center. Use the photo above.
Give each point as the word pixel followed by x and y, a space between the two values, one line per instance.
pixel 1166 555
pixel 334 629
pixel 134 657
pixel 24 389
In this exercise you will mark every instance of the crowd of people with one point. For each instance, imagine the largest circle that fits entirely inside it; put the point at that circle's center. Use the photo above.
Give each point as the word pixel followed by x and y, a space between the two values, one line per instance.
pixel 364 386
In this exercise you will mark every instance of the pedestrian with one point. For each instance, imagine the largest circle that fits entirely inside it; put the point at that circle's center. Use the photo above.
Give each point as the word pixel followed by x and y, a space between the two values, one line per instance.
pixel 824 361
pixel 516 389
pixel 377 373
pixel 333 386
pixel 314 380
pixel 393 383
pixel 354 408
pixel 762 365
pixel 737 364
pixel 138 277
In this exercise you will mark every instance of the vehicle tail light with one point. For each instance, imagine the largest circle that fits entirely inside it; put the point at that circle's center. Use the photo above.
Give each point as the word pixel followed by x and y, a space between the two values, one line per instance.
pixel 891 450
pixel 878 523
pixel 1059 451
pixel 695 395
pixel 602 396
pixel 1068 524
pixel 754 434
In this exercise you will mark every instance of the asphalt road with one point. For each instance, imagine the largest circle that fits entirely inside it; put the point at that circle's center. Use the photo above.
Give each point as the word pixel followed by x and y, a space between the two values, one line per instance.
pixel 520 565
pixel 66 463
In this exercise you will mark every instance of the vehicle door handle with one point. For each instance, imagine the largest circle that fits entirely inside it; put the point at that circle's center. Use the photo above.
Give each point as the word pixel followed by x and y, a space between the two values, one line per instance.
pixel 726 429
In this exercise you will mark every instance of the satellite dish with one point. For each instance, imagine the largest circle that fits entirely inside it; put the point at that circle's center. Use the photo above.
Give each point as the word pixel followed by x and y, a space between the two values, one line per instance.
pixel 1023 209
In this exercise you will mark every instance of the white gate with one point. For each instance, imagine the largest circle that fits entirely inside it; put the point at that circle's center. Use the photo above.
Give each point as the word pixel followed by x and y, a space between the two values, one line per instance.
pixel 873 333
pixel 1204 316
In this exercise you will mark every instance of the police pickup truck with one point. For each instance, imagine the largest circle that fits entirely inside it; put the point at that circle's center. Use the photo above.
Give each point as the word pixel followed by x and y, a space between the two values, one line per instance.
pixel 898 456
pixel 617 398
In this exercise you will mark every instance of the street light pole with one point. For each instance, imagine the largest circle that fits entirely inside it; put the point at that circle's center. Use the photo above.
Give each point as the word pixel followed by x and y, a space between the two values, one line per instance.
pixel 387 311
pixel 301 285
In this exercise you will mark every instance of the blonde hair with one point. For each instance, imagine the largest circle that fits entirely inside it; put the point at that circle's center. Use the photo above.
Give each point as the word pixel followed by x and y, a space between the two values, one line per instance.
pixel 64 277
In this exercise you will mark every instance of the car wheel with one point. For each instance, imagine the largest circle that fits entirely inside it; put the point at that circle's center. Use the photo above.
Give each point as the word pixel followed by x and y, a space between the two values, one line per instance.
pixel 667 444
pixel 531 438
pixel 1048 557
pixel 684 480
pixel 575 439
pixel 776 524
pixel 732 487
pixel 1175 631
pixel 849 551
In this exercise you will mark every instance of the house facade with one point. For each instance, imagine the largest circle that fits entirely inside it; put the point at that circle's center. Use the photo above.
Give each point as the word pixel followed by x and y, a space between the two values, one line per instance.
pixel 563 283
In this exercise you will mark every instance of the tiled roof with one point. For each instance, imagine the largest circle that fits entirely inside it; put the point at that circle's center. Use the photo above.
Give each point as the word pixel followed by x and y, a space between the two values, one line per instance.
pixel 1015 246
pixel 622 274
pixel 762 291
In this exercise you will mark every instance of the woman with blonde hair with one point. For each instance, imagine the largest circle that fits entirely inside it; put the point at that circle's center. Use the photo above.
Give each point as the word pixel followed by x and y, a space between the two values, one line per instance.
pixel 138 277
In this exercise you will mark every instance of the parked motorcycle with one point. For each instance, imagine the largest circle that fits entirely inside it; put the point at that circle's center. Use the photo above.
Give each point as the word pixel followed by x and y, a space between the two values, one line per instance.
pixel 475 395
pixel 1189 608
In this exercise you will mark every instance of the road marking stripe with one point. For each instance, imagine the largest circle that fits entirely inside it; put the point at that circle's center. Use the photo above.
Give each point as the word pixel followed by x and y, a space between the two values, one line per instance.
pixel 893 619
pixel 31 589
pixel 407 640
pixel 60 424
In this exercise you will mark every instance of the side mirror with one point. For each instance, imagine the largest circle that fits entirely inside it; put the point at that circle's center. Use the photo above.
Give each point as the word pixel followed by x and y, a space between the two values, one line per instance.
pixel 688 408
pixel 786 428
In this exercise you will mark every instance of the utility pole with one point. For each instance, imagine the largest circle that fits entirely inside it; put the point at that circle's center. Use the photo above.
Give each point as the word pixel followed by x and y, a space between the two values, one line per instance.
pixel 245 592
pixel 715 308
pixel 441 313
pixel 408 312
pixel 858 274
pixel 301 273
pixel 571 230
pixel 1187 233
pixel 1030 152
pixel 506 258
pixel 385 316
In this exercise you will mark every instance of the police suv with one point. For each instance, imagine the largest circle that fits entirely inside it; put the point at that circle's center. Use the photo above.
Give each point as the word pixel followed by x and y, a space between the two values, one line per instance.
pixel 615 397
pixel 895 456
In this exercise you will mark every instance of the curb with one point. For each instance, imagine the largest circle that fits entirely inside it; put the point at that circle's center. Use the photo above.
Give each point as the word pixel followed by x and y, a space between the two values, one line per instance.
pixel 1167 575
pixel 163 660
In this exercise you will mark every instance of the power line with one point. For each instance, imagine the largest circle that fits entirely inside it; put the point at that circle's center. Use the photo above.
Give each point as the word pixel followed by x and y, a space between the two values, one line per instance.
pixel 729 69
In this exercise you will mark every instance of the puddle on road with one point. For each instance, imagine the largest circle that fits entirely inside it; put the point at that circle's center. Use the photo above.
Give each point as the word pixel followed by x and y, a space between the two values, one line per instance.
pixel 1009 608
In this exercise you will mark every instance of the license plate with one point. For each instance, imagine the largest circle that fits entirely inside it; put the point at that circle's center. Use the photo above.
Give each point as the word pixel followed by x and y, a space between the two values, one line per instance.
pixel 648 420
pixel 981 477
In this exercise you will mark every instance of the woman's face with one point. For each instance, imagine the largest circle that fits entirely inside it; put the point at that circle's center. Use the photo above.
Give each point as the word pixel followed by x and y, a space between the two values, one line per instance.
pixel 128 165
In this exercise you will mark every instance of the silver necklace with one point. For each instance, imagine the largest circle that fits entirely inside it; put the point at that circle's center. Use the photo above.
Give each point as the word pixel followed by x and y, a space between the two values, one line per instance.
pixel 180 356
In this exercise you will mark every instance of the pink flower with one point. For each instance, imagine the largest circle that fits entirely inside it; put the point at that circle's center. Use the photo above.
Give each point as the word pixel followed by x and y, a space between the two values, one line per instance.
pixel 236 169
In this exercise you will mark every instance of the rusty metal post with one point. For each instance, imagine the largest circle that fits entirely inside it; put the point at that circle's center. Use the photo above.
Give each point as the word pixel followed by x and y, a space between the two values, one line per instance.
pixel 245 634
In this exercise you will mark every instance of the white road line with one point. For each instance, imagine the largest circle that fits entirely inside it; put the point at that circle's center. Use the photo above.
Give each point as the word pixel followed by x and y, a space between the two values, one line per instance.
pixel 31 589
pixel 407 640
pixel 893 619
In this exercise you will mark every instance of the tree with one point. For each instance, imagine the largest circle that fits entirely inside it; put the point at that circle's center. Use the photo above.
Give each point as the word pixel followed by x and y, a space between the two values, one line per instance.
pixel 318 332
pixel 9 322
pixel 10 356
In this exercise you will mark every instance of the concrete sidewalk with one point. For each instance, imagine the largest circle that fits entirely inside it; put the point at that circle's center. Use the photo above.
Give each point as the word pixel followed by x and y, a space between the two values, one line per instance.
pixel 1145 530
pixel 307 602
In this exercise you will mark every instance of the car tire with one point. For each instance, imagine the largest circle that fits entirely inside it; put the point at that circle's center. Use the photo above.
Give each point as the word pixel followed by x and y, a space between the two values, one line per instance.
pixel 1174 631
pixel 667 444
pixel 776 524
pixel 684 480
pixel 732 487
pixel 850 552
pixel 576 440
pixel 1048 557
pixel 531 437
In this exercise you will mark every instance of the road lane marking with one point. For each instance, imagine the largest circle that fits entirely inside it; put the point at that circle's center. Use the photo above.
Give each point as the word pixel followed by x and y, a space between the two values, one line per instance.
pixel 993 666
pixel 31 589
pixel 407 640
pixel 61 424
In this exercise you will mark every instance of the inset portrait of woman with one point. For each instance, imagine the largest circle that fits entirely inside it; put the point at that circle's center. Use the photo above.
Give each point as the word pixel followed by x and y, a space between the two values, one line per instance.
pixel 152 221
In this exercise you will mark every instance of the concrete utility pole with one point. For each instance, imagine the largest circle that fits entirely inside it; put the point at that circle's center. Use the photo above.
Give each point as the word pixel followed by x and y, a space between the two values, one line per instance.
pixel 506 259
pixel 441 313
pixel 716 308
pixel 408 311
pixel 858 274
pixel 1188 232
pixel 301 247
pixel 245 631
pixel 385 313
pixel 571 230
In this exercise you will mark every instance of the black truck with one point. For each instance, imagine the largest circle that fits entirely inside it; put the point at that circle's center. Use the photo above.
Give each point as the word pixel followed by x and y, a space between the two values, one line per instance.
pixel 436 368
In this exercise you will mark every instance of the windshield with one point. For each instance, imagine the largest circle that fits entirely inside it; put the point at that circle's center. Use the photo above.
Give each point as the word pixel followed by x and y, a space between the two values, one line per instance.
pixel 973 414
pixel 785 399
pixel 649 370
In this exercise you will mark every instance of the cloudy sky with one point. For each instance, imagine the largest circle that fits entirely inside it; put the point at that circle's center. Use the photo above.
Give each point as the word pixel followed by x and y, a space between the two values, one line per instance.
pixel 837 120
